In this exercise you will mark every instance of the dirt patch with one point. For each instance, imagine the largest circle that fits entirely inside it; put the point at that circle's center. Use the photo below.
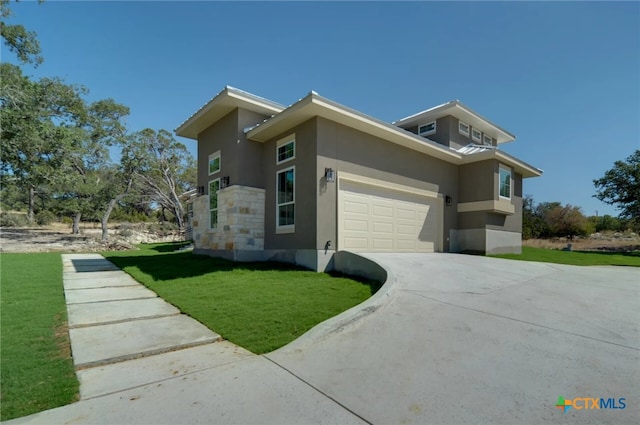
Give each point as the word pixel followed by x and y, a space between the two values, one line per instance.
pixel 58 238
pixel 605 242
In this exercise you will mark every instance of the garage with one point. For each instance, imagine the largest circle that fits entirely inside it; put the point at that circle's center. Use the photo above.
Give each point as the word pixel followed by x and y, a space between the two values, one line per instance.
pixel 374 218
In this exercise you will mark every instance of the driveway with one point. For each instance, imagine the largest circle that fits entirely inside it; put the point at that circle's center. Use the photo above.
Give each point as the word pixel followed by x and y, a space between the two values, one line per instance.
pixel 470 339
pixel 462 339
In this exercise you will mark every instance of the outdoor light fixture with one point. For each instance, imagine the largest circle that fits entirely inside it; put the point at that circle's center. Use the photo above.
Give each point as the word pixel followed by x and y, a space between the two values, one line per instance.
pixel 448 200
pixel 330 175
pixel 200 190
pixel 224 182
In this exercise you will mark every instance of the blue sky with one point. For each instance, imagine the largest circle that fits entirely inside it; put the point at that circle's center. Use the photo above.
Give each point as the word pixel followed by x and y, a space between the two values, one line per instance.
pixel 563 77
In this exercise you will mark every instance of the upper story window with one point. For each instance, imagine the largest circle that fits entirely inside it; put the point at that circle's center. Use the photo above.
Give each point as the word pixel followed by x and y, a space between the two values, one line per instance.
pixel 476 135
pixel 488 140
pixel 286 150
pixel 214 163
pixel 504 182
pixel 427 129
pixel 285 200
pixel 463 128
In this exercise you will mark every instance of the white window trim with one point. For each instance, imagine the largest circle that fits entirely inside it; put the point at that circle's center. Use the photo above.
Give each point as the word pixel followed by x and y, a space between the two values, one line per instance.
pixel 289 139
pixel 460 122
pixel 209 209
pixel 508 169
pixel 473 137
pixel 427 133
pixel 212 157
pixel 490 140
pixel 288 228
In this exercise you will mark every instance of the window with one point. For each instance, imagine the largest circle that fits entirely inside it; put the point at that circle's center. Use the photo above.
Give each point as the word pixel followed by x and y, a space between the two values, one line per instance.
pixel 214 163
pixel 214 187
pixel 488 140
pixel 505 182
pixel 476 135
pixel 427 129
pixel 286 150
pixel 285 200
pixel 463 128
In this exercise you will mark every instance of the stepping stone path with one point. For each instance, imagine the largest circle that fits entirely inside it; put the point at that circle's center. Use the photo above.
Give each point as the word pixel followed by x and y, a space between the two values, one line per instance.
pixel 114 319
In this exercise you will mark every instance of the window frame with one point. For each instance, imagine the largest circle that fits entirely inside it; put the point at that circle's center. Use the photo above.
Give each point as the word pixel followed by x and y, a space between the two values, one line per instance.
pixel 285 228
pixel 284 142
pixel 212 157
pixel 429 132
pixel 473 137
pixel 484 140
pixel 508 170
pixel 468 131
pixel 216 209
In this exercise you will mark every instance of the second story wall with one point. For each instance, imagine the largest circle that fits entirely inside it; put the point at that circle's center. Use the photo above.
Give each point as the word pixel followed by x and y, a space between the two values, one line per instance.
pixel 240 159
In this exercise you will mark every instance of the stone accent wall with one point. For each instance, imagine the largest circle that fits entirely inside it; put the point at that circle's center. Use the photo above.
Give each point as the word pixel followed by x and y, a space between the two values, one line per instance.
pixel 240 220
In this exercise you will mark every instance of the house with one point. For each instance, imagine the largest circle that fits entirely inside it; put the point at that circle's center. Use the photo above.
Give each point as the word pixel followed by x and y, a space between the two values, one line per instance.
pixel 299 183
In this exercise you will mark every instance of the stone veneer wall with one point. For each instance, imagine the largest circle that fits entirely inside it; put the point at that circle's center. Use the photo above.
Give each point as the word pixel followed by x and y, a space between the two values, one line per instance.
pixel 240 220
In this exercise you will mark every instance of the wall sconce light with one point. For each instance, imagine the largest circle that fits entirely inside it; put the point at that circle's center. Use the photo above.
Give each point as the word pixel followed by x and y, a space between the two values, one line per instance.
pixel 200 190
pixel 224 182
pixel 448 200
pixel 330 175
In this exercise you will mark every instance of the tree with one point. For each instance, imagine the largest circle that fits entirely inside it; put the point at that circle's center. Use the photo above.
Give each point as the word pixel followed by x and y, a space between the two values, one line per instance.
pixel 20 41
pixel 567 221
pixel 620 186
pixel 39 127
pixel 87 180
pixel 164 169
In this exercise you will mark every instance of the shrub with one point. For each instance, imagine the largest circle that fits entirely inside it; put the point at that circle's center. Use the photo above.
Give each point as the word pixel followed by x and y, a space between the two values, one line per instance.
pixel 13 220
pixel 45 217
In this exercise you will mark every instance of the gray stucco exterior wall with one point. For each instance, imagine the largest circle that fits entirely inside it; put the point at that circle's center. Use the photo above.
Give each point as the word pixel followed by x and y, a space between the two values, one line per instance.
pixel 306 182
pixel 241 159
pixel 348 150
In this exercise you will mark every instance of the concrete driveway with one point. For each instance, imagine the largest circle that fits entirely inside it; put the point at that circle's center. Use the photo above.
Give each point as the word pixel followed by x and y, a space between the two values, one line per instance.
pixel 462 339
pixel 479 340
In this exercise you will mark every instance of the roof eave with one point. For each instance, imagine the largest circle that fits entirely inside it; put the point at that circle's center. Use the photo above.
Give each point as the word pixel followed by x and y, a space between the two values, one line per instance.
pixel 316 105
pixel 450 108
pixel 221 104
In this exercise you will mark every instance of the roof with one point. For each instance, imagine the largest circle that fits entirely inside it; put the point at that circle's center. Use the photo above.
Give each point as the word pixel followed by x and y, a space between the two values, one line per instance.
pixel 221 104
pixel 463 113
pixel 313 105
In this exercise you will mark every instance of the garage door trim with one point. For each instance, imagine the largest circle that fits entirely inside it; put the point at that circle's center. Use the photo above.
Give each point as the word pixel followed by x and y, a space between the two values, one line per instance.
pixel 429 196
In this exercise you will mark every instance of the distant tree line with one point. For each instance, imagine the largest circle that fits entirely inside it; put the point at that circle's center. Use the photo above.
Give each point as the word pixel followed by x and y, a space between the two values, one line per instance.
pixel 55 160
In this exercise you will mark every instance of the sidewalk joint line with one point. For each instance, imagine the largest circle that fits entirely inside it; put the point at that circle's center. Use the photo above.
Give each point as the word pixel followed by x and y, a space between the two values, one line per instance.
pixel 318 390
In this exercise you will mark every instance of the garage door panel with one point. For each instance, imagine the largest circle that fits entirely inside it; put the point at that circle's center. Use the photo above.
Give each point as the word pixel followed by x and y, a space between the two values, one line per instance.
pixel 404 229
pixel 381 227
pixel 357 243
pixel 376 219
pixel 382 243
pixel 382 210
pixel 353 206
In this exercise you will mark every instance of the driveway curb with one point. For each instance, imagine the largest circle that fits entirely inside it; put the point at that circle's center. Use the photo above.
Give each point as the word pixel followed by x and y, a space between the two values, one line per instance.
pixel 351 264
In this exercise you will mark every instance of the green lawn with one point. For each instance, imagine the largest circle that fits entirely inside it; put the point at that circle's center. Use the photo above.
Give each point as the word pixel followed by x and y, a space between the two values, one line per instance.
pixel 259 306
pixel 35 358
pixel 576 258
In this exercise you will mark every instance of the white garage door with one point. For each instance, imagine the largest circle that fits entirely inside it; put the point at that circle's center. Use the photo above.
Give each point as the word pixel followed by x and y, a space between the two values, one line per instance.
pixel 376 219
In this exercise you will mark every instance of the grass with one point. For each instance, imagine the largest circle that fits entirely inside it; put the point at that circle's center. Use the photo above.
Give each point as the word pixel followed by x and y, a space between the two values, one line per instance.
pixel 36 367
pixel 259 306
pixel 576 258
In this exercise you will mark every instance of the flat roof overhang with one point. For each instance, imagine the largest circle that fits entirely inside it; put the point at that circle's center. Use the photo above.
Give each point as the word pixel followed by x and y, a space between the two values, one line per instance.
pixel 315 105
pixel 463 113
pixel 224 102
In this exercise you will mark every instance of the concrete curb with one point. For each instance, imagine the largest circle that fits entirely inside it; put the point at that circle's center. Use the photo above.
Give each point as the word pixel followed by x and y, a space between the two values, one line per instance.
pixel 353 264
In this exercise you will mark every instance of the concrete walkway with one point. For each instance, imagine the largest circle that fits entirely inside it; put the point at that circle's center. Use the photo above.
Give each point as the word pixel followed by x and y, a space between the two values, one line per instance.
pixel 112 318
